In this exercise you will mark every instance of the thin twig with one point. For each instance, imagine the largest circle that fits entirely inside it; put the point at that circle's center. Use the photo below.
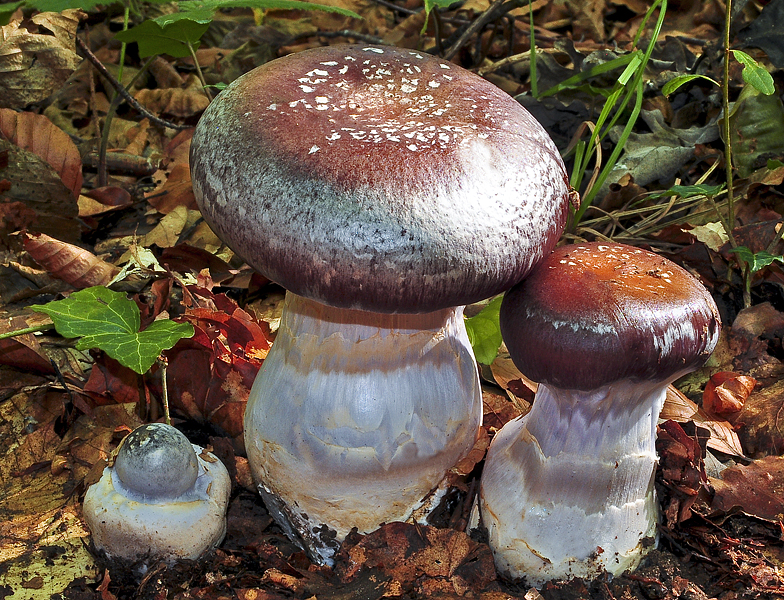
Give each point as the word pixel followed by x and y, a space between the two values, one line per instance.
pixel 496 10
pixel 122 91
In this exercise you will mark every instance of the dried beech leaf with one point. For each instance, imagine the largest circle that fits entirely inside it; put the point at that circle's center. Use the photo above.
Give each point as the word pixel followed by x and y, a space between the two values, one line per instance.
pixel 678 407
pixel 72 264
pixel 175 191
pixel 37 56
pixel 37 134
pixel 757 489
pixel 35 184
pixel 726 392
pixel 178 102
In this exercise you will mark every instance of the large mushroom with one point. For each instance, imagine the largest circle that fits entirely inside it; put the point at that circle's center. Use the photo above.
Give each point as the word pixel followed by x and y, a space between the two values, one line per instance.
pixel 567 490
pixel 384 189
pixel 162 499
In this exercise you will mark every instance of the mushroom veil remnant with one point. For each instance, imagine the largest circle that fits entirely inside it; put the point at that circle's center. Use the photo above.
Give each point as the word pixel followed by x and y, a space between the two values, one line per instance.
pixel 384 189
pixel 162 499
pixel 567 490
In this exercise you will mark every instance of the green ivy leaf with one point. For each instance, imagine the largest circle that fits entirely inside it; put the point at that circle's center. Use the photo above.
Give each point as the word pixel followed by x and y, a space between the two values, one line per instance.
pixel 110 321
pixel 484 332
pixel 756 261
pixel 676 82
pixel 168 34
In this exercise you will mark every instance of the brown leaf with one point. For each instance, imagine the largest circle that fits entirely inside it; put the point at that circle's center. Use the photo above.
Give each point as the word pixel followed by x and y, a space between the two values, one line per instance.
pixel 37 56
pixel 757 489
pixel 681 467
pixel 34 183
pixel 176 190
pixel 723 438
pixel 420 559
pixel 72 264
pixel 726 392
pixel 37 134
pixel 179 102
pixel 761 422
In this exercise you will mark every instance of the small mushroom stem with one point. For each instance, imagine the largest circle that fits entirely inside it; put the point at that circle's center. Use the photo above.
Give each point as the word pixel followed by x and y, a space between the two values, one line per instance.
pixel 355 417
pixel 581 465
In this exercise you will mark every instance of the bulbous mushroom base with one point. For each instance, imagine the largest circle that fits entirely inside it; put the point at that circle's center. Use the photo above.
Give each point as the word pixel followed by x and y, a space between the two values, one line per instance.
pixel 355 417
pixel 567 490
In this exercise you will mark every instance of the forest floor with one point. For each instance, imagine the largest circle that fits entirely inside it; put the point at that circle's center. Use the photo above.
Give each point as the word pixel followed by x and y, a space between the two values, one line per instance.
pixel 71 218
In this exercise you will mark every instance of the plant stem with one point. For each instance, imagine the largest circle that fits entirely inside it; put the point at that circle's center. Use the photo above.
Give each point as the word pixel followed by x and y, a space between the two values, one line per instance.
pixel 534 84
pixel 199 74
pixel 26 330
pixel 729 222
pixel 164 363
pixel 725 92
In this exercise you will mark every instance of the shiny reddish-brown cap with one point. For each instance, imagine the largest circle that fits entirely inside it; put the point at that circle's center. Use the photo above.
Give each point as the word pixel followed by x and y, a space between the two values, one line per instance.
pixel 593 314
pixel 378 178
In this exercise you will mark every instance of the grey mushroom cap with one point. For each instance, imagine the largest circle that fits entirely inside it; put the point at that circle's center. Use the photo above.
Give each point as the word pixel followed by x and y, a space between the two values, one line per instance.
pixel 157 461
pixel 378 178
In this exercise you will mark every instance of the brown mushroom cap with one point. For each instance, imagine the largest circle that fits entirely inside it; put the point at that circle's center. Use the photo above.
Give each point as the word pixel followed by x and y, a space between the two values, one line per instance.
pixel 378 178
pixel 593 314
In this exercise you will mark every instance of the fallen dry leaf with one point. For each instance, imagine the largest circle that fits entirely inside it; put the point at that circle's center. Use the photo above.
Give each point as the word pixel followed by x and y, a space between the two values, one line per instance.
pixel 34 184
pixel 179 102
pixel 37 134
pixel 74 265
pixel 723 437
pixel 757 489
pixel 420 560
pixel 37 56
pixel 726 392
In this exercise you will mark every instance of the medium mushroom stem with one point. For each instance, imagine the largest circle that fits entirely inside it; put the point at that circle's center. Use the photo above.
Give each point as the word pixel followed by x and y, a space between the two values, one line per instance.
pixel 582 465
pixel 355 417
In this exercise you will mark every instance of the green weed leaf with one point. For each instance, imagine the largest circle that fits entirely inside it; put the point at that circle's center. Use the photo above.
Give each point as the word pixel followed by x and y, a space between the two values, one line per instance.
pixel 61 5
pixel 755 74
pixel 110 321
pixel 168 34
pixel 687 191
pixel 676 82
pixel 214 5
pixel 7 9
pixel 484 332
pixel 756 261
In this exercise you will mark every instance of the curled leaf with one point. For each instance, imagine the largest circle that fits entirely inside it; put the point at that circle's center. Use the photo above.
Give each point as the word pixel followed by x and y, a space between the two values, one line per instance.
pixel 726 393
pixel 72 264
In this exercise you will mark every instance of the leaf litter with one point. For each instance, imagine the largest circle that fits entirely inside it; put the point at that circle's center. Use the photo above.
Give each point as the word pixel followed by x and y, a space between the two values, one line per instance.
pixel 64 407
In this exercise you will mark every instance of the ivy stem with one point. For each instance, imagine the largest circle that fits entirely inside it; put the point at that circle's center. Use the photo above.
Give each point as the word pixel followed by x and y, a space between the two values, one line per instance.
pixel 26 330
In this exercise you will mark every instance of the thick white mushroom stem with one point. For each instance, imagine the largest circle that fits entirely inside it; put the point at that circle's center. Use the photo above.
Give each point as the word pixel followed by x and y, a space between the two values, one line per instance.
pixel 567 490
pixel 355 417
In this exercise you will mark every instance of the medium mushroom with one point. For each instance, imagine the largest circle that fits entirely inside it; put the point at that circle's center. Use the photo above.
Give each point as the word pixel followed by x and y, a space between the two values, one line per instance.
pixel 384 189
pixel 567 490
pixel 162 499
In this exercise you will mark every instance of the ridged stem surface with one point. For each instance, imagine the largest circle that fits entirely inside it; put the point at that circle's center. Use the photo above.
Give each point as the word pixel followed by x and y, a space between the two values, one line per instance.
pixel 356 416
pixel 567 490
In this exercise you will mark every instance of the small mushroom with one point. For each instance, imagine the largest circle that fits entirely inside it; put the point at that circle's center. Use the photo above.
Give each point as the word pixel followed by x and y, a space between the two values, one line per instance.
pixel 384 188
pixel 567 490
pixel 163 499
